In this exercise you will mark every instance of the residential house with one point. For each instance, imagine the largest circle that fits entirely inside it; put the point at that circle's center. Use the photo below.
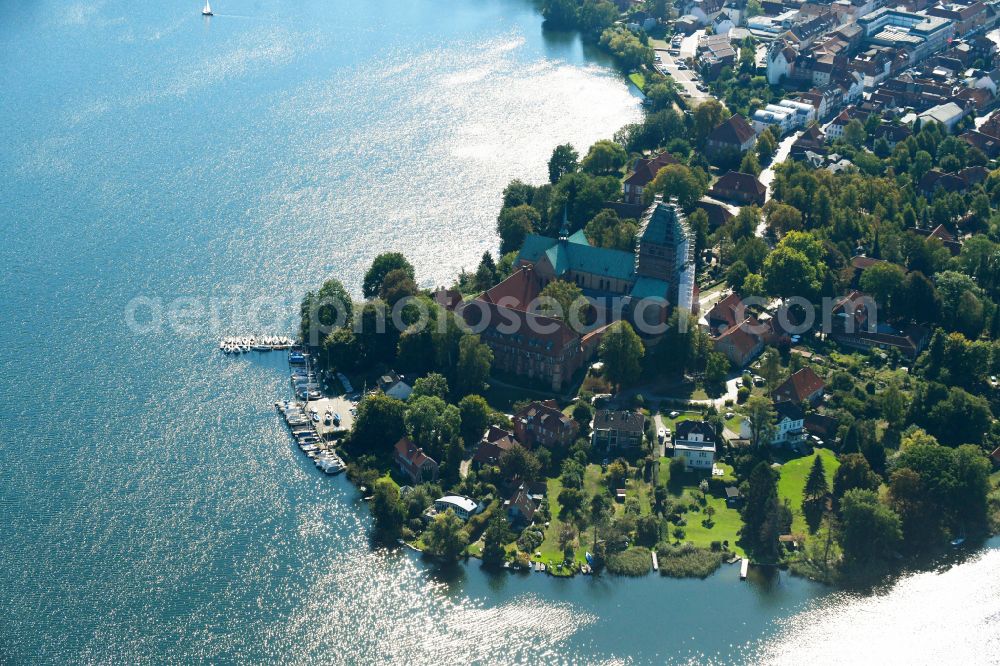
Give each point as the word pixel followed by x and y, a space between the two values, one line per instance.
pixel 617 429
pixel 695 441
pixel 393 386
pixel 743 188
pixel 854 324
pixel 643 173
pixel 414 463
pixel 740 344
pixel 541 423
pixel 941 233
pixel 524 502
pixel 804 385
pixel 722 24
pixel 495 442
pixel 462 506
pixel 789 423
pixel 733 137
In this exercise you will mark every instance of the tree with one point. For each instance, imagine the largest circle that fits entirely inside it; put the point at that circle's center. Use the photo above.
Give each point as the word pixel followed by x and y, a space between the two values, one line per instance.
pixel 564 160
pixel 854 472
pixel 750 164
pixel 677 180
pixel 514 225
pixel 397 285
pixel 854 133
pixel 568 302
pixel 760 414
pixel 380 268
pixel 869 530
pixel 607 230
pixel 783 218
pixel 432 424
pixel 474 362
pixel 604 157
pixel 387 511
pixel 814 495
pixel 647 531
pixel 763 518
pixel 341 350
pixel 767 145
pixel 379 423
pixel 884 282
pixel 621 351
pixel 519 462
pixel 788 272
pixel 716 368
pixel 816 485
pixel 476 416
pixel 571 501
pixel 445 537
pixel 321 312
pixel 707 116
pixel 494 553
pixel 434 384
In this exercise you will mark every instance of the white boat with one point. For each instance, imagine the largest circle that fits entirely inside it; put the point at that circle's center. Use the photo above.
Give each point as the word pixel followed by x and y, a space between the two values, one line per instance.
pixel 207 11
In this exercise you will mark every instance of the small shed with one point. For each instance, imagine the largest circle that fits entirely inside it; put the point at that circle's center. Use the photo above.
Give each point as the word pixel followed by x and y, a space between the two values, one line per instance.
pixel 620 495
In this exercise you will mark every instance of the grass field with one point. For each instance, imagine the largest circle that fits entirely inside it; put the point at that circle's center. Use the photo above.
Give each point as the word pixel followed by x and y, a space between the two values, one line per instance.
pixel 726 522
pixel 638 79
pixel 792 483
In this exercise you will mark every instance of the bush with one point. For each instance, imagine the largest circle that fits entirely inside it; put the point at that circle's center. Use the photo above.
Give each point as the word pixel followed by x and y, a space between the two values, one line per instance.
pixel 632 562
pixel 688 561
pixel 530 540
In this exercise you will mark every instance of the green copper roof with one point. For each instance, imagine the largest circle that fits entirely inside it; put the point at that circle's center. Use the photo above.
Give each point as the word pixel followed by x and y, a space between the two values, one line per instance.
pixel 647 287
pixel 576 254
pixel 534 247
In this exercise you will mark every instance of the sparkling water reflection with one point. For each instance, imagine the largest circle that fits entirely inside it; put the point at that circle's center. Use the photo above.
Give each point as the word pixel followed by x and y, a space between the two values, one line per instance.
pixel 154 509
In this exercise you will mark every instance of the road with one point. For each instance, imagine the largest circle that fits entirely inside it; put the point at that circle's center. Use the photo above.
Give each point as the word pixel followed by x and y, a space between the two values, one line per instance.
pixel 658 448
pixel 767 175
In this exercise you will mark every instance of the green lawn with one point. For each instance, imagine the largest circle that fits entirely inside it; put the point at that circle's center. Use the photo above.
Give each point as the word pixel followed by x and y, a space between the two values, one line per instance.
pixel 551 553
pixel 726 522
pixel 792 483
pixel 639 79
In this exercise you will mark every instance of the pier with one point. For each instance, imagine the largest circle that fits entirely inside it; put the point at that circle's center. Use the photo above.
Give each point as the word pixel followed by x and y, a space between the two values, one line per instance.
pixel 248 343
pixel 302 427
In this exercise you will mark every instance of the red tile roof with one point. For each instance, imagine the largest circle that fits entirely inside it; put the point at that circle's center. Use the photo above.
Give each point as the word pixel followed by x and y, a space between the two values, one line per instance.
pixel 799 387
pixel 411 456
pixel 646 169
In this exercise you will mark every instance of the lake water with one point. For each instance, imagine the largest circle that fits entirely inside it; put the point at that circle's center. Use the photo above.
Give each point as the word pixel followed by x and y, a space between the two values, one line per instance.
pixel 153 509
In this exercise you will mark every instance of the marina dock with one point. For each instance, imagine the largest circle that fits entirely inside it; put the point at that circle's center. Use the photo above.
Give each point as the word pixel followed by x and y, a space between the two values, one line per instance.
pixel 744 568
pixel 302 426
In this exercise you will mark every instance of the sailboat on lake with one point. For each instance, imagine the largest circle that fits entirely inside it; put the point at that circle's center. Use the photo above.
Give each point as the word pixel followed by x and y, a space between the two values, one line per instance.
pixel 207 11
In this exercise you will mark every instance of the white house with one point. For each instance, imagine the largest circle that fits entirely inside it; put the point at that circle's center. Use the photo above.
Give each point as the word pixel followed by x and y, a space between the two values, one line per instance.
pixel 695 442
pixel 773 115
pixel 788 427
pixel 722 24
pixel 780 60
pixel 394 387
pixel 464 507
